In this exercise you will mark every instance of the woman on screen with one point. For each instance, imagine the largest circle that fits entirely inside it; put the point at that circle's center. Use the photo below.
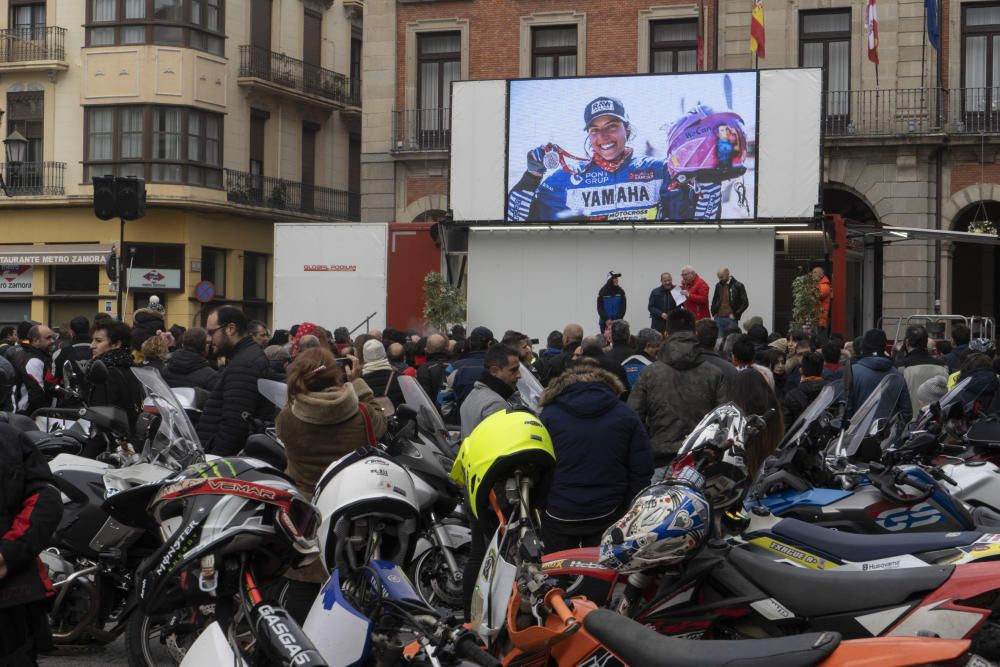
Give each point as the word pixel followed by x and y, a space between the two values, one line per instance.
pixel 613 183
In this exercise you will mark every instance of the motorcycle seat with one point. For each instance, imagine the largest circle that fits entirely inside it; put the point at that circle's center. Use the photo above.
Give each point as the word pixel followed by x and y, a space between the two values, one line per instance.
pixel 811 593
pixel 986 519
pixel 640 646
pixel 856 547
pixel 53 444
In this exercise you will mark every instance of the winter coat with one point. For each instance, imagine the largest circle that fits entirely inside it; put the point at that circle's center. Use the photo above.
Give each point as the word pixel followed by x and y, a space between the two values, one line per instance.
pixel 798 399
pixel 825 296
pixel 464 373
pixel 697 299
pixel 660 301
pixel 714 358
pixel 954 358
pixel 431 375
pixel 619 353
pixel 318 428
pixel 917 367
pixel 145 323
pixel 738 300
pixel 31 365
pixel 221 428
pixel 611 302
pixel 481 402
pixel 385 382
pixel 675 392
pixel 30 511
pixel 603 456
pixel 185 368
pixel 867 372
pixel 122 389
pixel 8 379
pixel 77 350
pixel 982 388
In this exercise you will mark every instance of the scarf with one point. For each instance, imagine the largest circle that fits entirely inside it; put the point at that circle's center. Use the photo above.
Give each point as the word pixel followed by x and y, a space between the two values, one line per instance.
pixel 612 166
pixel 496 385
pixel 376 365
pixel 373 358
pixel 117 357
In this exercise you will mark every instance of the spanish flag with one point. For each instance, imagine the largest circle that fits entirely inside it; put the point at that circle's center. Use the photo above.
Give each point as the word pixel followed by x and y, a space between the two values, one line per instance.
pixel 757 28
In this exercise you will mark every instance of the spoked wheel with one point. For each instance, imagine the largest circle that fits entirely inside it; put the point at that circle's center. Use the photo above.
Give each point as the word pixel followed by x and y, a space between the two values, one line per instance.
pixel 163 641
pixel 435 584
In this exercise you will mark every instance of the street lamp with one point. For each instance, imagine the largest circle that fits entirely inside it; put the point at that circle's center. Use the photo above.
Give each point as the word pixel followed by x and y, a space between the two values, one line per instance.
pixel 16 150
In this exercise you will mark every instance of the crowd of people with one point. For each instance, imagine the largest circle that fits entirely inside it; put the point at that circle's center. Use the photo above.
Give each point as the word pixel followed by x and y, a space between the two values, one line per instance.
pixel 617 405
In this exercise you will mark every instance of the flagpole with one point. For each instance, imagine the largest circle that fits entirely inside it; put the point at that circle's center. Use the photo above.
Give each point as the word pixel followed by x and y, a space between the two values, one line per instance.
pixel 923 52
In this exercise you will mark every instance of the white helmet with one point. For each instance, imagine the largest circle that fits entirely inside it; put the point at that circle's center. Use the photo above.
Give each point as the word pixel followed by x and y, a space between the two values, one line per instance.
pixel 360 486
pixel 716 449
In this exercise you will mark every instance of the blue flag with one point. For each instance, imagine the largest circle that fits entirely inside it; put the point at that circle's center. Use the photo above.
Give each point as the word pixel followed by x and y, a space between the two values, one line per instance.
pixel 933 35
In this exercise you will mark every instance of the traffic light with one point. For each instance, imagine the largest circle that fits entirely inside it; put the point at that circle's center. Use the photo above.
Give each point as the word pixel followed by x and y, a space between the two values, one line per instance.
pixel 130 194
pixel 105 206
pixel 119 197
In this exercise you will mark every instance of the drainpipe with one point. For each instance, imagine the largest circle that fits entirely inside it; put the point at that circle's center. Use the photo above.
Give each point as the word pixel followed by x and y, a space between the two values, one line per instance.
pixel 715 40
pixel 938 204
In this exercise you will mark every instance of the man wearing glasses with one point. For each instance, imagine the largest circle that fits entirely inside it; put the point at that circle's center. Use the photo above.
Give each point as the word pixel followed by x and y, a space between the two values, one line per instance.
pixel 222 429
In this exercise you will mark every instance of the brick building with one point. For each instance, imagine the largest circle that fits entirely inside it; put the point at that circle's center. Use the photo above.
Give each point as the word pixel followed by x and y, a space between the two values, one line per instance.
pixel 915 148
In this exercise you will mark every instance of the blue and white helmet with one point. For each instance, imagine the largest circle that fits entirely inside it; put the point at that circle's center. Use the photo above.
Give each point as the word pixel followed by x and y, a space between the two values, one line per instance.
pixel 667 524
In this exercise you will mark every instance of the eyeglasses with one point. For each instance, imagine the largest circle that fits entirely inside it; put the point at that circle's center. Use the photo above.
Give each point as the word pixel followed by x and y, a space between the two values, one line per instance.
pixel 211 332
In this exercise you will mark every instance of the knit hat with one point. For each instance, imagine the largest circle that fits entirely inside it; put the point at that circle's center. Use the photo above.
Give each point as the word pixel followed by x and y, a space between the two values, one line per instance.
pixel 481 334
pixel 373 351
pixel 154 304
pixel 873 342
pixel 781 345
pixel 933 389
pixel 752 322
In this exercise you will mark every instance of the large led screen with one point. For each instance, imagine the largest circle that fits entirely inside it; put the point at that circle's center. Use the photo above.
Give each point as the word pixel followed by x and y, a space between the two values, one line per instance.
pixel 666 147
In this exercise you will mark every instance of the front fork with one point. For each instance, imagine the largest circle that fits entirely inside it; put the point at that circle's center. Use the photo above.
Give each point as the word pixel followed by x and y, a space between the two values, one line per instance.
pixel 441 540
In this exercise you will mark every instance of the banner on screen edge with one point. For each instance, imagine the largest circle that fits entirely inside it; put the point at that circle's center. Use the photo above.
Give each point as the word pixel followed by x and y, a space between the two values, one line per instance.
pixel 668 148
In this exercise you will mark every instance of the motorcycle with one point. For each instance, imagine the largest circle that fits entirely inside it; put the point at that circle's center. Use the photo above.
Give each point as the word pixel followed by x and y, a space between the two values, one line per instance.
pixel 727 592
pixel 523 616
pixel 368 612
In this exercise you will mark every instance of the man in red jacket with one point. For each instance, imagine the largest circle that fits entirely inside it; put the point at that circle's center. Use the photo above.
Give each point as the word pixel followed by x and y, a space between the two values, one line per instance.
pixel 695 290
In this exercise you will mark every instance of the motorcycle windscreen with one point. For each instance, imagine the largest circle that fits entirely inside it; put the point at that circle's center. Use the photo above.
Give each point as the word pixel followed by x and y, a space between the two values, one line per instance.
pixel 801 425
pixel 340 633
pixel 428 418
pixel 724 422
pixel 274 391
pixel 871 417
pixel 175 445
pixel 530 389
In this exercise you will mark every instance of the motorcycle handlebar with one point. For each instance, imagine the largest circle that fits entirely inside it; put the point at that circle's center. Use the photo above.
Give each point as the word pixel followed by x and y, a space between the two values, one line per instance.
pixel 555 601
pixel 888 489
pixel 468 648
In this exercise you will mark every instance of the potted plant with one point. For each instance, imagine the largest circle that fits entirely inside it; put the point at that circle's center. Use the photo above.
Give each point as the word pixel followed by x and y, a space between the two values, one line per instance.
pixel 983 227
pixel 279 195
pixel 444 304
pixel 805 301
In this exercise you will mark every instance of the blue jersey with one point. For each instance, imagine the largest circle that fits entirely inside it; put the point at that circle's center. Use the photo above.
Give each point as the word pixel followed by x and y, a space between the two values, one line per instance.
pixel 633 192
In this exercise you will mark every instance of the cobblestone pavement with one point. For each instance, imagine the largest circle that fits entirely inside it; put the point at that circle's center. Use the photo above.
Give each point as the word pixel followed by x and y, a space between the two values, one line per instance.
pixel 109 655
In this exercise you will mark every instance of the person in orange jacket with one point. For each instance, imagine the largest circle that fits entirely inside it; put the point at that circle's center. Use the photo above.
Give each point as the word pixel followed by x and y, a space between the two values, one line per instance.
pixel 825 294
pixel 695 290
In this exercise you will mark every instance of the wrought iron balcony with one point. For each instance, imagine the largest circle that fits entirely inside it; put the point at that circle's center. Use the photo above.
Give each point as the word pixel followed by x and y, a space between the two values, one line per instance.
pixel 912 111
pixel 34 179
pixel 24 45
pixel 419 130
pixel 279 194
pixel 298 77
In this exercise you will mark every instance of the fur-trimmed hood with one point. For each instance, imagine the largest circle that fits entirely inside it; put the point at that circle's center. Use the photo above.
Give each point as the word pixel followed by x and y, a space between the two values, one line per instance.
pixel 581 374
pixel 332 406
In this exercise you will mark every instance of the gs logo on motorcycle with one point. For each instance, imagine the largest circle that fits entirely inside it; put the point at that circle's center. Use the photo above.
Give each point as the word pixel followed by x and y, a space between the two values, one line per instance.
pixel 905 518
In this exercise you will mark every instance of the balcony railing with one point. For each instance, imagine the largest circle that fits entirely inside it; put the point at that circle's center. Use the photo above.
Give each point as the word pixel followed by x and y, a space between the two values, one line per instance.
pixel 277 193
pixel 421 130
pixel 34 179
pixel 28 44
pixel 296 75
pixel 912 111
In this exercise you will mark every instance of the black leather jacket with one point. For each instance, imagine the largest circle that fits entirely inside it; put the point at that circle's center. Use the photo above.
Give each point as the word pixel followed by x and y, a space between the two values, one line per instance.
pixel 738 300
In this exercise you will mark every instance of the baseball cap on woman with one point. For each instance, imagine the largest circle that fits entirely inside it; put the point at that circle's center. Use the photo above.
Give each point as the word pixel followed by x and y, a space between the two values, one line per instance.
pixel 604 106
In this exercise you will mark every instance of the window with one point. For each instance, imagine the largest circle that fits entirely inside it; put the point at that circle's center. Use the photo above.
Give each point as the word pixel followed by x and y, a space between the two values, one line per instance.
pixel 213 268
pixel 825 41
pixel 355 62
pixel 197 24
pixel 553 51
pixel 15 312
pixel 981 57
pixel 439 63
pixel 254 276
pixel 80 279
pixel 673 46
pixel 159 143
pixel 27 19
pixel 258 125
pixel 26 114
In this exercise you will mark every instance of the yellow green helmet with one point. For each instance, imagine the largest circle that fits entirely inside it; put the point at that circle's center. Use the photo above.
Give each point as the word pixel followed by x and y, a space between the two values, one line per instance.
pixel 504 441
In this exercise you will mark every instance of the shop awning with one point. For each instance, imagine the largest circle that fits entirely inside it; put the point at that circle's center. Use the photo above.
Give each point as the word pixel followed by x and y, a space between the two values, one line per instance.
pixel 83 253
pixel 897 234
